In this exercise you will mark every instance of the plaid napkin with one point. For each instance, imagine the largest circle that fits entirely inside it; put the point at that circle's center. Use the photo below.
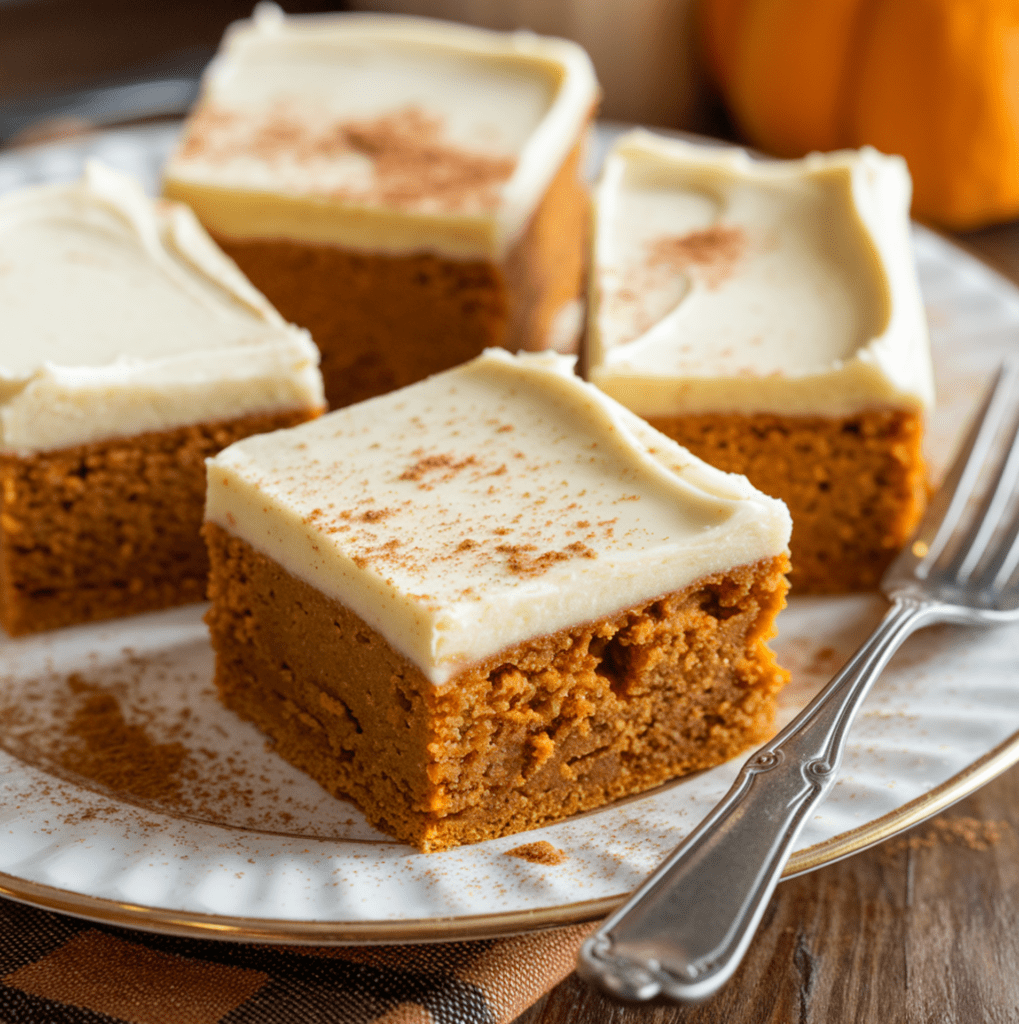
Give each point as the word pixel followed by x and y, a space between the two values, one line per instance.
pixel 56 969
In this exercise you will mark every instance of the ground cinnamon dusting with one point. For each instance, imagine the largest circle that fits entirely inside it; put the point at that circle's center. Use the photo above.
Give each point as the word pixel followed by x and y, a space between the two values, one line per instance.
pixel 115 754
pixel 969 832
pixel 376 515
pixel 432 463
pixel 521 562
pixel 410 161
pixel 117 731
pixel 715 251
pixel 541 852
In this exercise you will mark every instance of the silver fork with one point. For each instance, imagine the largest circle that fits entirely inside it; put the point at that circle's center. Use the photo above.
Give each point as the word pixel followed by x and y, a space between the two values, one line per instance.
pixel 684 932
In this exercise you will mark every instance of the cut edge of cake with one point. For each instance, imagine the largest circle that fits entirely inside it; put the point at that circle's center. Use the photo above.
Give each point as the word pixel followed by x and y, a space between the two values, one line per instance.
pixel 539 722
pixel 103 441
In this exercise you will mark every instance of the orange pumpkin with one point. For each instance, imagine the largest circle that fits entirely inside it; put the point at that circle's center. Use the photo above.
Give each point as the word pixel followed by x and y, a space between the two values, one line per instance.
pixel 934 80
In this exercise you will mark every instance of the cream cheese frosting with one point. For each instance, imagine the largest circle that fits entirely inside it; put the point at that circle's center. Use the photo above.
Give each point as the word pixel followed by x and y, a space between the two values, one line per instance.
pixel 384 133
pixel 496 502
pixel 122 316
pixel 721 283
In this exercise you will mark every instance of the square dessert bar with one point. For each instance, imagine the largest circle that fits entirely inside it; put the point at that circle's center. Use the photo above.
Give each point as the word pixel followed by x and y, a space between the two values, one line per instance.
pixel 492 599
pixel 766 315
pixel 131 350
pixel 406 189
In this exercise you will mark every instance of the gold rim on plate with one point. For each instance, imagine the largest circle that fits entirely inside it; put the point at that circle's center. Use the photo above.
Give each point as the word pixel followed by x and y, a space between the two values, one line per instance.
pixel 482 926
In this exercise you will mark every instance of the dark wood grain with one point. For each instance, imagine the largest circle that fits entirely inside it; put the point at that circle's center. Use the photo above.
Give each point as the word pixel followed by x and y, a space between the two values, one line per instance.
pixel 917 935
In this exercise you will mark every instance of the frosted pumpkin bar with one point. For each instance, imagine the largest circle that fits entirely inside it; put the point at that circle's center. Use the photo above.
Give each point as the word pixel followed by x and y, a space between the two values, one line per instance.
pixel 766 315
pixel 406 189
pixel 131 350
pixel 492 599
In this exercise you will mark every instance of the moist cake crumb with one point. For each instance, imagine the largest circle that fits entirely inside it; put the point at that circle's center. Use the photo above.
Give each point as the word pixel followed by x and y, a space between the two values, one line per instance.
pixel 463 666
pixel 541 852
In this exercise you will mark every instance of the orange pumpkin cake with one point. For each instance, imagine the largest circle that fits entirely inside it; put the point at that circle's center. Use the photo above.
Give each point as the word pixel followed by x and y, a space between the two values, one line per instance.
pixel 492 599
pixel 766 315
pixel 131 349
pixel 406 189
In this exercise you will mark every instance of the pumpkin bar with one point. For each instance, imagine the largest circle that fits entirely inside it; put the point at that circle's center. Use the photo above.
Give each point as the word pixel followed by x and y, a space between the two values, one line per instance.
pixel 490 600
pixel 131 350
pixel 406 189
pixel 766 315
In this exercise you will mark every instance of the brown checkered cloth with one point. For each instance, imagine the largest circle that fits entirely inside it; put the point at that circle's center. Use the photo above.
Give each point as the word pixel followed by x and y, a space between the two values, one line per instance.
pixel 56 969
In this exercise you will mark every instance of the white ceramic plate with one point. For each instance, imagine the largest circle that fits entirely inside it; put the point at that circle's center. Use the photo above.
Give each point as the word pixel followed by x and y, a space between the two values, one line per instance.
pixel 252 849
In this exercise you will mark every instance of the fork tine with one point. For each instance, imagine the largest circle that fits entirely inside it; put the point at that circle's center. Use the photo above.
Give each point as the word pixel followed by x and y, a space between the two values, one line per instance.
pixel 992 510
pixel 949 504
pixel 1002 567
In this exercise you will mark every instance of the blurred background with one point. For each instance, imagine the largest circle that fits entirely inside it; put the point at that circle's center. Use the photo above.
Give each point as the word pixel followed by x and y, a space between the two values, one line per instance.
pixel 55 54
pixel 63 62
pixel 936 81
pixel 645 51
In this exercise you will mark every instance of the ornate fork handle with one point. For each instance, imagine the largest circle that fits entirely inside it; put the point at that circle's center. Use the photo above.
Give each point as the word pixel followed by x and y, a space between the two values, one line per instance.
pixel 683 933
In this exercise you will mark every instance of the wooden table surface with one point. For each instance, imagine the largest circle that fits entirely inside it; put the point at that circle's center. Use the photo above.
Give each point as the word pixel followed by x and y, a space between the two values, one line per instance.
pixel 922 929
pixel 916 932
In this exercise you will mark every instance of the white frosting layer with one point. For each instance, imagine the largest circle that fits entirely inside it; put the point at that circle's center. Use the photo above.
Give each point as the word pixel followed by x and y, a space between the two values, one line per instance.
pixel 726 284
pixel 121 316
pixel 384 133
pixel 502 500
